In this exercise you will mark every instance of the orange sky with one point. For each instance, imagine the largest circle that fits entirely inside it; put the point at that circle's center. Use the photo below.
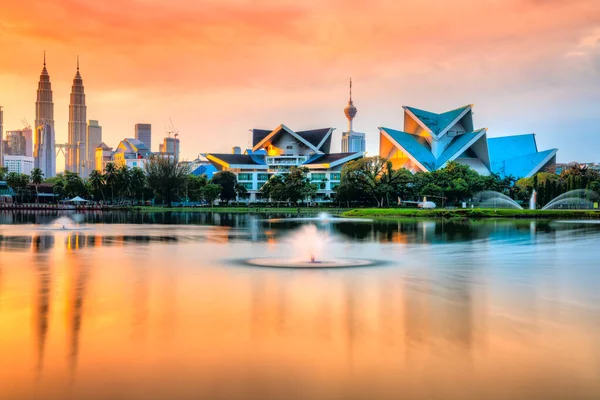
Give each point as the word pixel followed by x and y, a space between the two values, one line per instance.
pixel 219 68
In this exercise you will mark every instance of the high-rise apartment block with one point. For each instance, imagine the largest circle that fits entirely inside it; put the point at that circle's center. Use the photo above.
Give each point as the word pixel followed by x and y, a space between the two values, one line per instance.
pixel 93 139
pixel 143 133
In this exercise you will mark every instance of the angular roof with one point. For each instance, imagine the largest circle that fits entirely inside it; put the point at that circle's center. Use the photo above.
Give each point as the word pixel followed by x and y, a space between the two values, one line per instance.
pixel 234 158
pixel 258 135
pixel 502 148
pixel 458 146
pixel 419 150
pixel 131 146
pixel 103 146
pixel 437 123
pixel 314 136
pixel 314 139
pixel 415 147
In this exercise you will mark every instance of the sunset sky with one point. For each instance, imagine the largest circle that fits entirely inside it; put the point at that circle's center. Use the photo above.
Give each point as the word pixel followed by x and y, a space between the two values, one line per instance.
pixel 218 68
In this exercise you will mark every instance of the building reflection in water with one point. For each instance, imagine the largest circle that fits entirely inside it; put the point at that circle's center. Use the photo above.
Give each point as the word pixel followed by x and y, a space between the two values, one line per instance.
pixel 41 245
pixel 78 274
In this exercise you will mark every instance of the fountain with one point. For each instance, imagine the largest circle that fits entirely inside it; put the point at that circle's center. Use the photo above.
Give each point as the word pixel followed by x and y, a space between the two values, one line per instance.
pixel 578 199
pixel 64 224
pixel 309 245
pixel 533 200
pixel 492 199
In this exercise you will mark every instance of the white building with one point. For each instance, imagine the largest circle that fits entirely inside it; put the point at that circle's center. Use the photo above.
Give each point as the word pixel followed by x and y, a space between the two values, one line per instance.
pixel 276 151
pixel 18 164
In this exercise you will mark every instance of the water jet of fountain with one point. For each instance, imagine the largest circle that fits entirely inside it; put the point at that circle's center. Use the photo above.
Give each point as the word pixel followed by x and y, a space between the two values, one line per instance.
pixel 491 199
pixel 577 199
pixel 533 200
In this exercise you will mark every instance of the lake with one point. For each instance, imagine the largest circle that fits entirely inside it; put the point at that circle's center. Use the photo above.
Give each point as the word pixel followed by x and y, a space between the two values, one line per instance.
pixel 163 306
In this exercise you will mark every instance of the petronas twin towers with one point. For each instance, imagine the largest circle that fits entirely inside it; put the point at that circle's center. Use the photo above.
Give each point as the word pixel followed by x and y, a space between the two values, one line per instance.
pixel 45 156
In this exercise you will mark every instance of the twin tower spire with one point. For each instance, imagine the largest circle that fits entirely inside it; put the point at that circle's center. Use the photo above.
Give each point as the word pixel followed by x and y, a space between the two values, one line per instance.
pixel 44 114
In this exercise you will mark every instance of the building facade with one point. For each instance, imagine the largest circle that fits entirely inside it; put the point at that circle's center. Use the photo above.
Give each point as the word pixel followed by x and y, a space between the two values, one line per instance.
pixel 43 152
pixel 93 139
pixel 44 104
pixel 19 164
pixel 429 141
pixel 131 153
pixel 1 136
pixel 170 148
pixel 275 152
pixel 16 143
pixel 143 133
pixel 103 156
pixel 76 153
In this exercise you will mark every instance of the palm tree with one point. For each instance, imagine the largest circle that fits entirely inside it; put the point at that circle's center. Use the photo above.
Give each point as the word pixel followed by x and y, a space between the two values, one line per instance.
pixel 138 182
pixel 97 182
pixel 110 177
pixel 37 176
pixel 124 181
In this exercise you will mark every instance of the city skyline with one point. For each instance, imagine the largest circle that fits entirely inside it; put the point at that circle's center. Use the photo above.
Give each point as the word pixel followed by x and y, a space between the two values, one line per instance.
pixel 544 75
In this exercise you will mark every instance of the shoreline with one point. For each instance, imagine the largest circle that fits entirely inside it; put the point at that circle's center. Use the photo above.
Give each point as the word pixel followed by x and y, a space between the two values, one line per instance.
pixel 477 213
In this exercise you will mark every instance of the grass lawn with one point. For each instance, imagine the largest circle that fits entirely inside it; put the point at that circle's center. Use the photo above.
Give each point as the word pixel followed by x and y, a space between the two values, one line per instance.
pixel 471 213
pixel 249 210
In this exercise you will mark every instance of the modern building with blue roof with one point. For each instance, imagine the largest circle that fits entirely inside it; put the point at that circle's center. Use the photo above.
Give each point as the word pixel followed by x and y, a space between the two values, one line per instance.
pixel 276 151
pixel 429 141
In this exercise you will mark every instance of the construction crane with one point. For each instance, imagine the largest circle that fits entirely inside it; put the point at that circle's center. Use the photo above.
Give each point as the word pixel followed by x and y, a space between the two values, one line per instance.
pixel 26 123
pixel 171 129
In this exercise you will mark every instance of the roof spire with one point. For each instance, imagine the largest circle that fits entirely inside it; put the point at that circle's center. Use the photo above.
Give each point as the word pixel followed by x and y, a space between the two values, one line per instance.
pixel 350 89
pixel 77 63
pixel 44 58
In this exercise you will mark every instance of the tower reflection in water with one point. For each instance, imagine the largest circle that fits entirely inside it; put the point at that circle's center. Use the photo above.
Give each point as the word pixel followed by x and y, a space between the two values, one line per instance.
pixel 116 312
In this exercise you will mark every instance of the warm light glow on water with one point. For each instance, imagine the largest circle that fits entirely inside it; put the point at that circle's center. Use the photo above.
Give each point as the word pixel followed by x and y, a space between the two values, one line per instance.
pixel 496 310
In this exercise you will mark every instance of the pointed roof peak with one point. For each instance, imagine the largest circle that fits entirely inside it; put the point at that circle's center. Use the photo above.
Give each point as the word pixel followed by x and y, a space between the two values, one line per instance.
pixel 77 63
pixel 44 58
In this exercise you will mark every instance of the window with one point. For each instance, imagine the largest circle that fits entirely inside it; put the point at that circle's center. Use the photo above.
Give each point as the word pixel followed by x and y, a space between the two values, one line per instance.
pixel 244 177
pixel 263 177
pixel 322 185
pixel 318 177
pixel 289 147
pixel 247 185
pixel 334 186
pixel 335 177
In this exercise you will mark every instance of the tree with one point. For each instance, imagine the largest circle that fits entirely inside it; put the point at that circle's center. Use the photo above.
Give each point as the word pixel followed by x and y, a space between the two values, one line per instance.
pixel 293 186
pixel 228 181
pixel 110 177
pixel 37 177
pixel 193 187
pixel 274 189
pixel 18 182
pixel 96 181
pixel 74 185
pixel 3 172
pixel 210 192
pixel 165 177
pixel 124 181
pixel 137 182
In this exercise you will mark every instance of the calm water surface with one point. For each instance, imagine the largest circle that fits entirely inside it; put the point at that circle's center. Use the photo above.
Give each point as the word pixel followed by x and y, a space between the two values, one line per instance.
pixel 161 308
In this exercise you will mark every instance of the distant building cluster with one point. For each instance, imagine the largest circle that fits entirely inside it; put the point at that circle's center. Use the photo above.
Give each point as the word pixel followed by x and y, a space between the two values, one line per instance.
pixel 28 148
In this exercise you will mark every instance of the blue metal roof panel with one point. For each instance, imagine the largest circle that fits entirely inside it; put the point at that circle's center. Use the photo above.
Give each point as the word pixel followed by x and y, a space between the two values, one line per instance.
pixel 416 146
pixel 522 166
pixel 455 146
pixel 436 122
pixel 506 147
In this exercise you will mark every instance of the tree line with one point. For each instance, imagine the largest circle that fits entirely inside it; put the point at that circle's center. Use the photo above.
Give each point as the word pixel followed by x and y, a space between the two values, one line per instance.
pixel 162 181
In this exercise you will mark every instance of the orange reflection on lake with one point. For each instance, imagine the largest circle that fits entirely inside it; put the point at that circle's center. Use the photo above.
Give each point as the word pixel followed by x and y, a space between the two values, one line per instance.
pixel 91 315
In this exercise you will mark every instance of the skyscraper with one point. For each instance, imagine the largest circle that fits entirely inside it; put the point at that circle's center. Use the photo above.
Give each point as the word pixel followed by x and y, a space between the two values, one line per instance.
pixel 1 137
pixel 44 156
pixel 43 153
pixel 143 133
pixel 44 107
pixel 93 139
pixel 352 142
pixel 77 126
pixel 17 143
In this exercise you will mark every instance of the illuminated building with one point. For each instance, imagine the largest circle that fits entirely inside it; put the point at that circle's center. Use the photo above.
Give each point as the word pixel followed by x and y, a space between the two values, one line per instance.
pixel 76 154
pixel 19 164
pixel 43 151
pixel 132 153
pixel 276 151
pixel 429 141
pixel 93 139
pixel 102 157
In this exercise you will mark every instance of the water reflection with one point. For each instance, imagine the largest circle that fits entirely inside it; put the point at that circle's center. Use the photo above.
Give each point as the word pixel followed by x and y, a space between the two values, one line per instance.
pixel 464 310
